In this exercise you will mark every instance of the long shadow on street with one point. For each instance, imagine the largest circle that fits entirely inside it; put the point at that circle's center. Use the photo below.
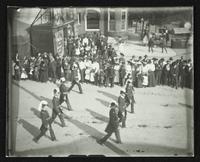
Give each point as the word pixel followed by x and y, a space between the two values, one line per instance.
pixel 98 116
pixel 103 102
pixel 94 133
pixel 108 95
pixel 33 130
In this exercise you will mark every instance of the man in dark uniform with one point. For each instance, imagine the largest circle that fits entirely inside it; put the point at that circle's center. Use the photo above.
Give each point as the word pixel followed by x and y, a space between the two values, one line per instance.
pixel 122 74
pixel 110 73
pixel 45 123
pixel 57 111
pixel 112 127
pixel 130 94
pixel 122 104
pixel 64 94
pixel 180 65
pixel 76 77
pixel 166 73
pixel 175 72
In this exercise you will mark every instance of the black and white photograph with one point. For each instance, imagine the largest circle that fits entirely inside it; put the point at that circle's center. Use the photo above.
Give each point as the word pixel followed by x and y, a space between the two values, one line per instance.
pixel 107 81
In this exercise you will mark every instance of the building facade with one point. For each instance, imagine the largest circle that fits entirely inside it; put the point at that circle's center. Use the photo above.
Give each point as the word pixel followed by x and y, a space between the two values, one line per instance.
pixel 108 21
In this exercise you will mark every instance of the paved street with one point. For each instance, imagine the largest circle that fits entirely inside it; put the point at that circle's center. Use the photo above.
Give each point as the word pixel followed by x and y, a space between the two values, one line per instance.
pixel 159 126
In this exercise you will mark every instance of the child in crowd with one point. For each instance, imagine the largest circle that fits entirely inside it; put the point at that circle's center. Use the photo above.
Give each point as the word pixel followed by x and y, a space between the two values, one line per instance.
pixel 23 74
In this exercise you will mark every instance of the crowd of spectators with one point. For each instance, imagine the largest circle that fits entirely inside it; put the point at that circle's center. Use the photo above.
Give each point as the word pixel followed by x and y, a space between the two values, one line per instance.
pixel 99 64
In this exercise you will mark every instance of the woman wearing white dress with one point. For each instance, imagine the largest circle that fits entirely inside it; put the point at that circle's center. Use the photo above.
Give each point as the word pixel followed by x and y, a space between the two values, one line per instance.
pixel 116 68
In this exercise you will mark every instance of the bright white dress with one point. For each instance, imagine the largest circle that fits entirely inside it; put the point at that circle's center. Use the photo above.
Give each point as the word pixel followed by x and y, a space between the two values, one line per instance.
pixel 116 68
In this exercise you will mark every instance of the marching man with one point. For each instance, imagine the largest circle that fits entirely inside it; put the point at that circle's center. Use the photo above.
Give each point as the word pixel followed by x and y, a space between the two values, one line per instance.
pixel 130 94
pixel 64 94
pixel 45 122
pixel 76 77
pixel 57 111
pixel 112 127
pixel 123 101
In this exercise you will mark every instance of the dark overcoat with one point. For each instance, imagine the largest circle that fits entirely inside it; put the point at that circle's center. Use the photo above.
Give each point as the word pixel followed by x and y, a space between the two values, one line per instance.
pixel 114 120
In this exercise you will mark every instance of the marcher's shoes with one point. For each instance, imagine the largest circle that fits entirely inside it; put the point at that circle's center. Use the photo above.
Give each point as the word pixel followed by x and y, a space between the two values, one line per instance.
pixel 99 142
pixel 35 140
pixel 81 92
pixel 54 139
pixel 118 142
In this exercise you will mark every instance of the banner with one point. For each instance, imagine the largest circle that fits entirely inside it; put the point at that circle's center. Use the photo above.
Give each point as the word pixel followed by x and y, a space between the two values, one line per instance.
pixel 59 39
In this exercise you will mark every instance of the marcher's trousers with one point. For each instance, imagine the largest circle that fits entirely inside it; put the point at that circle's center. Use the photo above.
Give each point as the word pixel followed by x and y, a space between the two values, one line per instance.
pixel 66 100
pixel 78 84
pixel 43 130
pixel 54 115
pixel 117 135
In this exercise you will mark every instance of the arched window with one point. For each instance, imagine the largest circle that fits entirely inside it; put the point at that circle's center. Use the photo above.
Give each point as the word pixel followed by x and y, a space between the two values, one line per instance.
pixel 92 20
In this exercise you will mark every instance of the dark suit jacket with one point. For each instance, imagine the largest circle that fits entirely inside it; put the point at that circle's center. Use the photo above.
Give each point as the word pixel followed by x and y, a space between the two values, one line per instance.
pixel 121 104
pixel 113 121
pixel 63 88
pixel 56 103
pixel 129 92
pixel 45 119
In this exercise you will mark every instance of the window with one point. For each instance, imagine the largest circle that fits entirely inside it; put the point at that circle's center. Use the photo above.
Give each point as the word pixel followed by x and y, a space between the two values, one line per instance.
pixel 92 18
pixel 123 20
pixel 111 20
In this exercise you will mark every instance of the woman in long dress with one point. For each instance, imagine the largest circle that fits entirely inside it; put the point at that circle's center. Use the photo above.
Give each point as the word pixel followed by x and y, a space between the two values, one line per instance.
pixel 139 77
pixel 92 72
pixel 116 78
pixel 43 72
pixel 151 69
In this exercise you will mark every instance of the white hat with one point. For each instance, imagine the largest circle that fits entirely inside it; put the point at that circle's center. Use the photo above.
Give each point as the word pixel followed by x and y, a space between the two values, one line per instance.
pixel 113 102
pixel 43 102
pixel 62 79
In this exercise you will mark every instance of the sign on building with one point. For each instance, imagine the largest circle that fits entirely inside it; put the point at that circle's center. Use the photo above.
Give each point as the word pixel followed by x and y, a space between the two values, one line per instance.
pixel 59 39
